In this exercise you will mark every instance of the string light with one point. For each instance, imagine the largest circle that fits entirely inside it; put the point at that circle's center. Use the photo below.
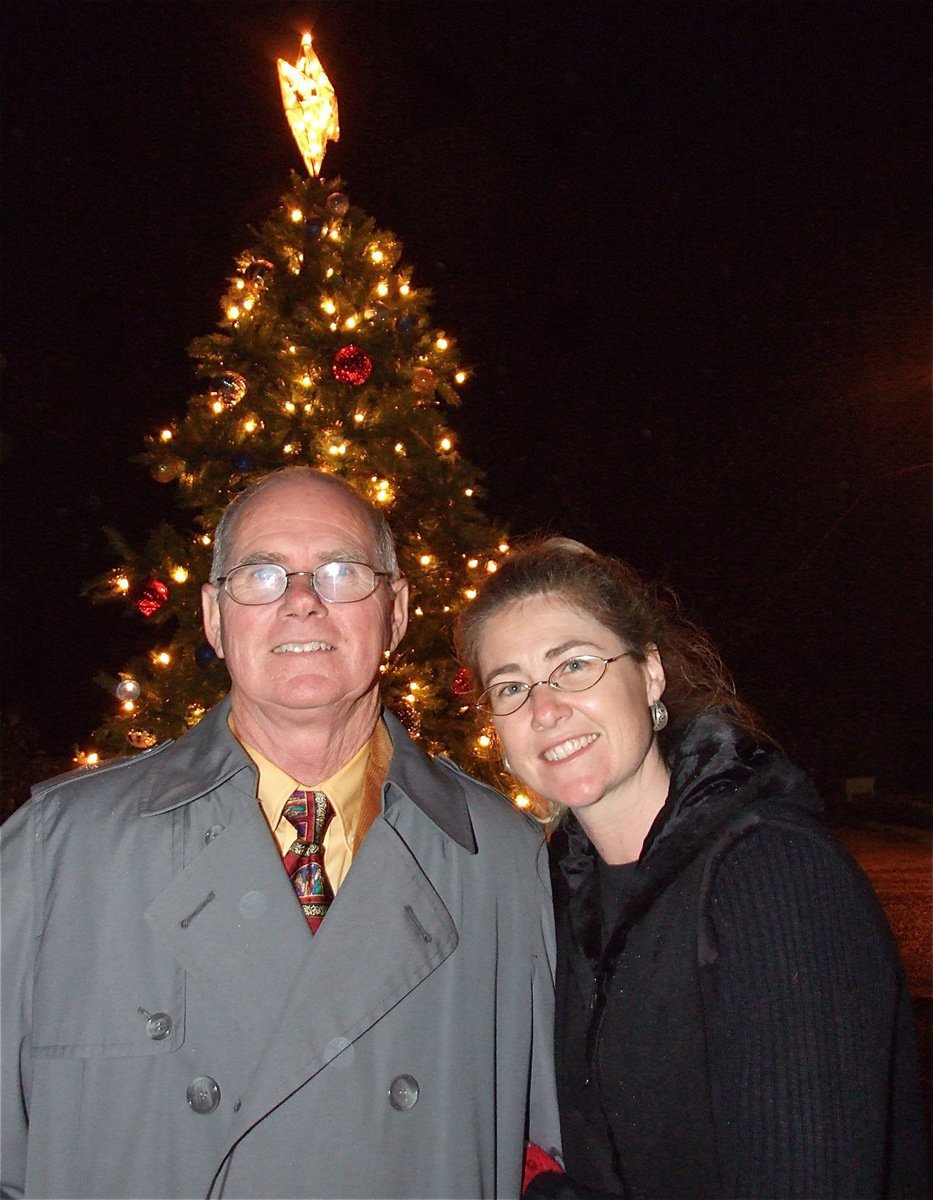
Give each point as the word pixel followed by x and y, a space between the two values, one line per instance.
pixel 180 574
pixel 121 583
pixel 484 741
pixel 165 435
pixel 297 215
pixel 359 418
pixel 492 567
pixel 520 800
pixel 161 658
pixel 445 444
pixel 233 312
pixel 426 559
pixel 460 377
pixel 217 407
pixel 441 343
pixel 470 593
pixel 473 563
pixel 382 289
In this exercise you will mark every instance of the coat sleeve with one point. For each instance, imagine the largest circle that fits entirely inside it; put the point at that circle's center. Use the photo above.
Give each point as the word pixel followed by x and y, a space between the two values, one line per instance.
pixel 805 1025
pixel 18 871
pixel 543 1120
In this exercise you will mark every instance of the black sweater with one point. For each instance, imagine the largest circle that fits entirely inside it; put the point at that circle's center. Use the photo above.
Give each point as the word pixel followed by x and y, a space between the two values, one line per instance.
pixel 739 1026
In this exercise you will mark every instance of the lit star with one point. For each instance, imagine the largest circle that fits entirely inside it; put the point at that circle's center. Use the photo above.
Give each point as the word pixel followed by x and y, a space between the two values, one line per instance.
pixel 310 105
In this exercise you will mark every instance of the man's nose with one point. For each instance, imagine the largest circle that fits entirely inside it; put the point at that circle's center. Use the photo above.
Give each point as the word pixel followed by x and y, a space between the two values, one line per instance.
pixel 300 595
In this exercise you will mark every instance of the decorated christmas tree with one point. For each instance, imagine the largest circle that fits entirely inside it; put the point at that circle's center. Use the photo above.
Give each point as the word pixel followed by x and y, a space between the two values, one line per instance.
pixel 325 355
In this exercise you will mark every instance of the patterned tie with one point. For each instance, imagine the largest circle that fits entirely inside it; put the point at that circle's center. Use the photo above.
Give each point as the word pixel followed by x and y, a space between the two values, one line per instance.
pixel 304 862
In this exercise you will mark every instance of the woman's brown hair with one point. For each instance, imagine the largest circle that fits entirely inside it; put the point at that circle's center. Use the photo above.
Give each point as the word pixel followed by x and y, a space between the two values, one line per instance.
pixel 615 595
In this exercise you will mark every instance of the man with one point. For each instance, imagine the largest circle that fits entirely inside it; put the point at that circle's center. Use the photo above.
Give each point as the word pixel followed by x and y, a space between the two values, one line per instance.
pixel 172 1027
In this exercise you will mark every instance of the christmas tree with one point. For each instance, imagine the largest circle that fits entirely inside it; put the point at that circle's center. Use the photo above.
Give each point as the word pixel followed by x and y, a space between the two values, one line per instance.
pixel 324 355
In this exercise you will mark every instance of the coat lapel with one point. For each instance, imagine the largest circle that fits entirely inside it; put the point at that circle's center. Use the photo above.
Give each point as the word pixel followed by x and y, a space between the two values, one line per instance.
pixel 402 930
pixel 232 921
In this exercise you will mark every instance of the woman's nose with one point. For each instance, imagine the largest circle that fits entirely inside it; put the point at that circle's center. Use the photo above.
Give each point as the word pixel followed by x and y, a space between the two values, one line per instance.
pixel 548 704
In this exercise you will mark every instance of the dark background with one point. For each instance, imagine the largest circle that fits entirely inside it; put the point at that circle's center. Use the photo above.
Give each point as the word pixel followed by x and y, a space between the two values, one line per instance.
pixel 686 248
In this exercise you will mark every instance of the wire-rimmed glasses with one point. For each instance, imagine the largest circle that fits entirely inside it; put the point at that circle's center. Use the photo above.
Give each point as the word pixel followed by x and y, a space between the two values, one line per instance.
pixel 576 674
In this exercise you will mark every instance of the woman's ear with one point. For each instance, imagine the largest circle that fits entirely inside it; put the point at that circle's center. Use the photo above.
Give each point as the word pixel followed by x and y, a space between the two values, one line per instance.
pixel 655 681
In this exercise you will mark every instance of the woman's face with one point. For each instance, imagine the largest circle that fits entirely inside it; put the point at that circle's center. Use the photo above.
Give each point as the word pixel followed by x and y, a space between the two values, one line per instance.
pixel 586 750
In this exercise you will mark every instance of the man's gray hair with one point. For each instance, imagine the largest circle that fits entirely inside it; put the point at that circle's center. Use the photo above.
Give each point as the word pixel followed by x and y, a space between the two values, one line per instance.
pixel 386 557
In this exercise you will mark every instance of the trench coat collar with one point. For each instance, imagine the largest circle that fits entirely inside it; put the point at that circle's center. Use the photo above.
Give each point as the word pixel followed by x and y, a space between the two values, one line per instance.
pixel 182 771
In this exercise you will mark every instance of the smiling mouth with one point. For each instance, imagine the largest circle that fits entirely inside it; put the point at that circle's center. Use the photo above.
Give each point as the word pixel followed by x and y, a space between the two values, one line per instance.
pixel 301 647
pixel 571 746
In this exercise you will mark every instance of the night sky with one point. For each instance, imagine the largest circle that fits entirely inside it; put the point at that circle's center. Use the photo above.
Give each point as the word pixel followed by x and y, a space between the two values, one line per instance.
pixel 685 247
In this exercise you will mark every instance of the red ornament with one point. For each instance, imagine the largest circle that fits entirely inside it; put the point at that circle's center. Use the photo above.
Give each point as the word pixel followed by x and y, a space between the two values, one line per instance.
pixel 351 365
pixel 154 596
pixel 463 683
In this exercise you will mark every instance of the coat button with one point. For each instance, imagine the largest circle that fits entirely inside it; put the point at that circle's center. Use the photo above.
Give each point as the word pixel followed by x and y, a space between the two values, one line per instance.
pixel 403 1092
pixel 203 1094
pixel 214 831
pixel 159 1026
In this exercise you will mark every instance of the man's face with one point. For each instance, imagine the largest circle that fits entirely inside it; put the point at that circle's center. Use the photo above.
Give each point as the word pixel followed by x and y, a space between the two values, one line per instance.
pixel 301 654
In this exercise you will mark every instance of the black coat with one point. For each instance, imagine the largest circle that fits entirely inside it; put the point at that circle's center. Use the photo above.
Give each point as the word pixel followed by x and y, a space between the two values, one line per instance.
pixel 732 1017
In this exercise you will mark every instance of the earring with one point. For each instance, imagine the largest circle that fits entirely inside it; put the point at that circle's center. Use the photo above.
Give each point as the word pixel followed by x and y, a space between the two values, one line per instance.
pixel 658 715
pixel 507 764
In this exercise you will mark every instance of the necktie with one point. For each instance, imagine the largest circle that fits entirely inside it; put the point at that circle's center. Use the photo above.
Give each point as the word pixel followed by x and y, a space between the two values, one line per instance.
pixel 309 812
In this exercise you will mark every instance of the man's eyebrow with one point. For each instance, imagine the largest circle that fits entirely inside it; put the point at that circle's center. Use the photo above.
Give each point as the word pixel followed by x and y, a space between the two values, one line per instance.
pixel 326 556
pixel 260 556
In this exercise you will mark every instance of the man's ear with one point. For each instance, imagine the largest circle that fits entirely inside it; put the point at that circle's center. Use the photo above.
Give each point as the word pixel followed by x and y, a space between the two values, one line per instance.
pixel 210 613
pixel 398 614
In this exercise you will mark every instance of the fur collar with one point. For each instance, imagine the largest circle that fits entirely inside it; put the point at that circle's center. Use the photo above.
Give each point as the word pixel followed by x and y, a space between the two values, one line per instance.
pixel 717 771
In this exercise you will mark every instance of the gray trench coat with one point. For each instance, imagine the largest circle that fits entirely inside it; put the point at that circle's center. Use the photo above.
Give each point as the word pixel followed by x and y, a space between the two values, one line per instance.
pixel 170 1029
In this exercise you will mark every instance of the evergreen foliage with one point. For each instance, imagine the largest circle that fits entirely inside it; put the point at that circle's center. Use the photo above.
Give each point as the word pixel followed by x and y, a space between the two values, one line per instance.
pixel 325 355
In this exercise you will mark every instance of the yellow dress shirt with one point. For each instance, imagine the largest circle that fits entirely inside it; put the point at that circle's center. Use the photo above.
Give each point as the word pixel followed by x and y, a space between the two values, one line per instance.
pixel 354 792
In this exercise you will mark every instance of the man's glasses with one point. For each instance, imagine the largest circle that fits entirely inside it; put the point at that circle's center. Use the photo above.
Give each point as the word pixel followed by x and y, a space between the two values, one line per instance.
pixel 576 674
pixel 336 582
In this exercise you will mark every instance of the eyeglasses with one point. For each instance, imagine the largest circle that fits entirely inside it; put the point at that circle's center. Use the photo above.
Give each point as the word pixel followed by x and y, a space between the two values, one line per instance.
pixel 577 674
pixel 336 582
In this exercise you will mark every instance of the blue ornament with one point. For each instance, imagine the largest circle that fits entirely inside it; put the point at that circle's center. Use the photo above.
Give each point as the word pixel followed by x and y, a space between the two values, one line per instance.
pixel 405 323
pixel 243 462
pixel 204 655
pixel 314 228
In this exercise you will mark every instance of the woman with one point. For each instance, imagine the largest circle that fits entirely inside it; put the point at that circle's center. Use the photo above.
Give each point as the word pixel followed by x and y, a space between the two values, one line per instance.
pixel 732 1018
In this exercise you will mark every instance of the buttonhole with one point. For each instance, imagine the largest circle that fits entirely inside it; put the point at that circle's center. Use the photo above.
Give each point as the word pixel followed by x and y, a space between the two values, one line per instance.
pixel 186 921
pixel 410 913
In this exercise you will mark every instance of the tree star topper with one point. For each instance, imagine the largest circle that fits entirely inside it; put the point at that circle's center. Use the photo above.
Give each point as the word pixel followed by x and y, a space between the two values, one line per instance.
pixel 310 105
